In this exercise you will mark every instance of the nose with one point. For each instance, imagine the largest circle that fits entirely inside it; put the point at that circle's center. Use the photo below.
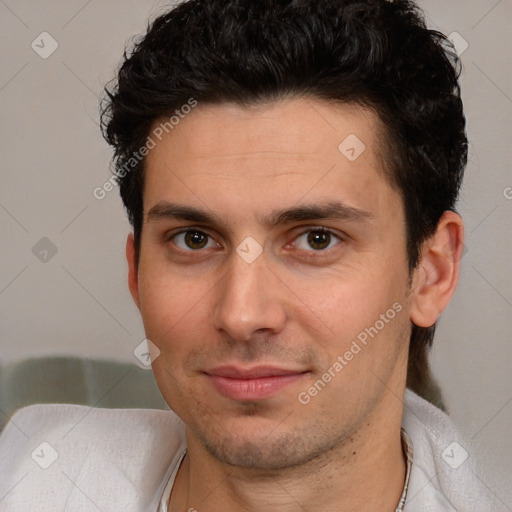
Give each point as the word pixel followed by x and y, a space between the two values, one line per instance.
pixel 250 300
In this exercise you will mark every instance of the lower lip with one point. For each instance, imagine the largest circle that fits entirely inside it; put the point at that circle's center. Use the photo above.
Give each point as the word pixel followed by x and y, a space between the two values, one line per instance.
pixel 253 389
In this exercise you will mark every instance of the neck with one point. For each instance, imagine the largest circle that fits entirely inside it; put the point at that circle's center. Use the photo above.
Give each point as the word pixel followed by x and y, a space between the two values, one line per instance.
pixel 366 472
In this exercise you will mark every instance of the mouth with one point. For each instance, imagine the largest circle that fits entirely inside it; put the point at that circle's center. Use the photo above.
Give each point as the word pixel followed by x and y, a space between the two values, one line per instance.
pixel 252 384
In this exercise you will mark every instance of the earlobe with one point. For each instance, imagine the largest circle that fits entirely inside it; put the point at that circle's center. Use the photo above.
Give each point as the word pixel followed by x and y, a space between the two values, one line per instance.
pixel 133 279
pixel 437 274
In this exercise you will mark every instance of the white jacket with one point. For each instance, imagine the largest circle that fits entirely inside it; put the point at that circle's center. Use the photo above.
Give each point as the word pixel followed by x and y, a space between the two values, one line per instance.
pixel 71 458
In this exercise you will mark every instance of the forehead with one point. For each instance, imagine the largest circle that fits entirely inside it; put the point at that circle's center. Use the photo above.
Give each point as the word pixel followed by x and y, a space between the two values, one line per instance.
pixel 289 150
pixel 289 126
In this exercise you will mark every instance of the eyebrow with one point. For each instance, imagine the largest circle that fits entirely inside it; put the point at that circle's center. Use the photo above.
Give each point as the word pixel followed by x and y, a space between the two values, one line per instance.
pixel 331 210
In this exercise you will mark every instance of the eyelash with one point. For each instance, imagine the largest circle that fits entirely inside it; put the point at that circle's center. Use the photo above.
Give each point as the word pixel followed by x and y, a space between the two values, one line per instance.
pixel 312 252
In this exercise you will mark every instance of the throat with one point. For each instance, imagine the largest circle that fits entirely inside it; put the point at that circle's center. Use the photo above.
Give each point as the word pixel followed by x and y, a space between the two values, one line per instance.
pixel 325 485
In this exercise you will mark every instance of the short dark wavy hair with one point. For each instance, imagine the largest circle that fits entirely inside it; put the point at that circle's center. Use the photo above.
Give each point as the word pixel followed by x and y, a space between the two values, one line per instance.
pixel 375 53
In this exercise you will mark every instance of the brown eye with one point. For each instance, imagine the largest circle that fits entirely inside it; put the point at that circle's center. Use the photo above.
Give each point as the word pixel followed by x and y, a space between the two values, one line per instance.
pixel 196 239
pixel 193 240
pixel 319 240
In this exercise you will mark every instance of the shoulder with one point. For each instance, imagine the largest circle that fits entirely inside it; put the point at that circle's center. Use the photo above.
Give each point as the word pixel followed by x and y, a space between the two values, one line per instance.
pixel 59 454
pixel 54 415
pixel 444 474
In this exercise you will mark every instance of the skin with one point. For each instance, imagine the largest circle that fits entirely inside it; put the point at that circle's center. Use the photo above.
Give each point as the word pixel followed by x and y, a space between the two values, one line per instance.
pixel 296 306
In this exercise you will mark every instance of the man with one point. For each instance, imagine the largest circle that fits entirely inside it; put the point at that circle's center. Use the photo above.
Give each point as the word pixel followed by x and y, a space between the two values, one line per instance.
pixel 290 169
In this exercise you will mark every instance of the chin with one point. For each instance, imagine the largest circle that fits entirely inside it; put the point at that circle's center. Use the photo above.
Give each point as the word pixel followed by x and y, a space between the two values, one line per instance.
pixel 265 449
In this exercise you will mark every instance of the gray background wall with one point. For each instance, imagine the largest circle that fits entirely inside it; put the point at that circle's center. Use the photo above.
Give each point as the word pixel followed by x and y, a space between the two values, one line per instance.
pixel 52 157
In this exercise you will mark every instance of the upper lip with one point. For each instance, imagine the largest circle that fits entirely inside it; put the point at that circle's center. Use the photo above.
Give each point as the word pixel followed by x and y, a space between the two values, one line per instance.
pixel 256 372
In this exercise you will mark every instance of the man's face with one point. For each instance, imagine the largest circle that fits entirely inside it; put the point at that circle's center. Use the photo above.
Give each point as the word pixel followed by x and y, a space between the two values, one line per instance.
pixel 253 305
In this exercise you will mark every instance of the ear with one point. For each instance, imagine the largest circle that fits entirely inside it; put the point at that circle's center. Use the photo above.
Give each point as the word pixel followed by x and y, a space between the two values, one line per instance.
pixel 436 277
pixel 133 278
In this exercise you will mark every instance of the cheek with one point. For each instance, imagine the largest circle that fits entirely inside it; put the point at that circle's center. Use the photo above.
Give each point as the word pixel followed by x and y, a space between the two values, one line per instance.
pixel 348 302
pixel 173 309
pixel 368 331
